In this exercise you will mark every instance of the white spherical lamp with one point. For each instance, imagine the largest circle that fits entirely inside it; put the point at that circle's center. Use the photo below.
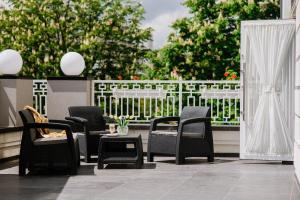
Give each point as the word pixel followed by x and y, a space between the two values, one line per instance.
pixel 72 64
pixel 10 62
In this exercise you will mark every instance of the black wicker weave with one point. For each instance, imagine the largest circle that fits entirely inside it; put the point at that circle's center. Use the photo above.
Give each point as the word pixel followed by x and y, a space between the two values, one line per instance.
pixel 108 155
pixel 39 153
pixel 193 137
pixel 94 126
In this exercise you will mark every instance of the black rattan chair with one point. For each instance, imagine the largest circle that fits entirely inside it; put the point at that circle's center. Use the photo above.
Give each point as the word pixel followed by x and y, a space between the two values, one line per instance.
pixel 193 137
pixel 37 152
pixel 92 119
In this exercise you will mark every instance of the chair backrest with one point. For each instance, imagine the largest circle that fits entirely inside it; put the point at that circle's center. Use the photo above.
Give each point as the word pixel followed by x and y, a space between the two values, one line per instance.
pixel 195 112
pixel 27 117
pixel 93 114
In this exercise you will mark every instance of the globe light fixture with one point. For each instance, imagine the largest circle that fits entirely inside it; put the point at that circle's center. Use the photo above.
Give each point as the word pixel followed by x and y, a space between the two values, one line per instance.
pixel 72 64
pixel 10 62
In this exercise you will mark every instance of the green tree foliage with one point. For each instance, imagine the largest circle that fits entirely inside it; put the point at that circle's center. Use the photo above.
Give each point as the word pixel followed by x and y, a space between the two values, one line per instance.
pixel 206 44
pixel 107 33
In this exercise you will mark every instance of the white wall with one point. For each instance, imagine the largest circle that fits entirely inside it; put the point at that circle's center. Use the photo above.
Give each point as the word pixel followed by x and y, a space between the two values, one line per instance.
pixel 297 96
pixel 10 144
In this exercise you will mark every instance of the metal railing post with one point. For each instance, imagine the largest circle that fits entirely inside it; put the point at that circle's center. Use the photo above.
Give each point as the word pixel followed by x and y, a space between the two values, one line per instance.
pixel 180 96
pixel 92 93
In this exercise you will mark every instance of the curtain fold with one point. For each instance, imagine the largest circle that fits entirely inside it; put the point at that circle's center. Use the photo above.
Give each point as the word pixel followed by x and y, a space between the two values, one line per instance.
pixel 269 122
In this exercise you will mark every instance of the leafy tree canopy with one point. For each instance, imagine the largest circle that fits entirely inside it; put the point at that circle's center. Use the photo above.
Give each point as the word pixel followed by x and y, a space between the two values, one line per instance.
pixel 107 33
pixel 206 44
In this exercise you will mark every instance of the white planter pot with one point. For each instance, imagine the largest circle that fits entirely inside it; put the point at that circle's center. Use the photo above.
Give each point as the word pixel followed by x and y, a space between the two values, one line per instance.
pixel 122 130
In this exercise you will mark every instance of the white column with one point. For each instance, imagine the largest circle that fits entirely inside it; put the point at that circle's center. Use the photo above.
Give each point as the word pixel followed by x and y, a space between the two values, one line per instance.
pixel 66 92
pixel 14 95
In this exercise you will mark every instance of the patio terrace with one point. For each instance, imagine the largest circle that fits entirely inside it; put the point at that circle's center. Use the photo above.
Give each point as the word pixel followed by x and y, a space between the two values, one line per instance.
pixel 225 179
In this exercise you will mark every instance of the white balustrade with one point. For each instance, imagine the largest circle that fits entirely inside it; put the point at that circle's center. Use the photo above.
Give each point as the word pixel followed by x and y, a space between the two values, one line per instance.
pixel 146 99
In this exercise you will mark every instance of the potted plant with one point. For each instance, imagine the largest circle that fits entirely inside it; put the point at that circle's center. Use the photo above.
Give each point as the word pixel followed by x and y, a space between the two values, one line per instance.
pixel 122 122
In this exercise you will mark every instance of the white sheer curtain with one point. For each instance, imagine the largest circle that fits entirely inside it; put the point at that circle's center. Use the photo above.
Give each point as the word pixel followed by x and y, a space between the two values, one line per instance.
pixel 268 89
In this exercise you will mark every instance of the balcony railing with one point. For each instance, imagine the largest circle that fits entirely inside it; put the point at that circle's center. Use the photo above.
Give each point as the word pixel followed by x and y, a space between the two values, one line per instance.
pixel 145 100
pixel 40 96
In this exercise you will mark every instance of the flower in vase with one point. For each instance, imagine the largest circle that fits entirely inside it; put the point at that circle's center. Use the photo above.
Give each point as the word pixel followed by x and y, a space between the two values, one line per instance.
pixel 121 121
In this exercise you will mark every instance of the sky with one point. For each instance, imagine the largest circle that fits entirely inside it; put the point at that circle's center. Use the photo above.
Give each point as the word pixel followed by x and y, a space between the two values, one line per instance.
pixel 159 15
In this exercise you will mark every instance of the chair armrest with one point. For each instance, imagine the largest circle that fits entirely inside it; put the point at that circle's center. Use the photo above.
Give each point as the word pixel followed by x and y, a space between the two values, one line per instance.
pixel 194 120
pixel 156 121
pixel 184 122
pixel 82 122
pixel 57 121
pixel 59 126
pixel 77 119
pixel 48 125
pixel 207 135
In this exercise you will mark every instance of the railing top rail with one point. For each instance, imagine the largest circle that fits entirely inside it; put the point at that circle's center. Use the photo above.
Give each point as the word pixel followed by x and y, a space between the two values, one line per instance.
pixel 161 81
pixel 170 81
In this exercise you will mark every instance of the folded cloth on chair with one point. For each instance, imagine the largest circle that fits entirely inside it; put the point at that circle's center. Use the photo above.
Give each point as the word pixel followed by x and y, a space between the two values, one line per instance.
pixel 44 132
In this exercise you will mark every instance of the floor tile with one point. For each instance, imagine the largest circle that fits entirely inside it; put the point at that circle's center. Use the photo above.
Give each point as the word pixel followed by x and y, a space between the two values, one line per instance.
pixel 225 179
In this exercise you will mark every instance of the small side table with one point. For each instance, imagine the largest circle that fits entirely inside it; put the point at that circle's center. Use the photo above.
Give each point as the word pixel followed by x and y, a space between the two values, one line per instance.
pixel 132 154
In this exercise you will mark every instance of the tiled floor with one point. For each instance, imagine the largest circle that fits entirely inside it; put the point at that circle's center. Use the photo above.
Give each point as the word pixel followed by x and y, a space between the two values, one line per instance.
pixel 226 179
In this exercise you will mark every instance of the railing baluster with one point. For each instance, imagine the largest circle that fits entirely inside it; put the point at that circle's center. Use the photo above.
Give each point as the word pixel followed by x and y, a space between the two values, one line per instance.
pixel 180 97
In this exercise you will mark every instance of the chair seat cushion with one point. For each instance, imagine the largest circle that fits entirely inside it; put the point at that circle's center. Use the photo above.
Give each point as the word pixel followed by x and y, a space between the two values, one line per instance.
pixel 98 132
pixel 53 140
pixel 170 133
pixel 173 133
pixel 193 135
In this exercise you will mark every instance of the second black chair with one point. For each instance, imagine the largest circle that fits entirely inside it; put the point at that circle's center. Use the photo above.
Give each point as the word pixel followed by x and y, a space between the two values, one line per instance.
pixel 94 126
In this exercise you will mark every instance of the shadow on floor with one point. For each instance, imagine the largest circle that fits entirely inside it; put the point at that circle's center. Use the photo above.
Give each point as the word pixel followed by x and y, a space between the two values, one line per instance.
pixel 13 186
pixel 196 161
pixel 128 166
pixel 86 170
pixel 254 162
pixel 8 164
